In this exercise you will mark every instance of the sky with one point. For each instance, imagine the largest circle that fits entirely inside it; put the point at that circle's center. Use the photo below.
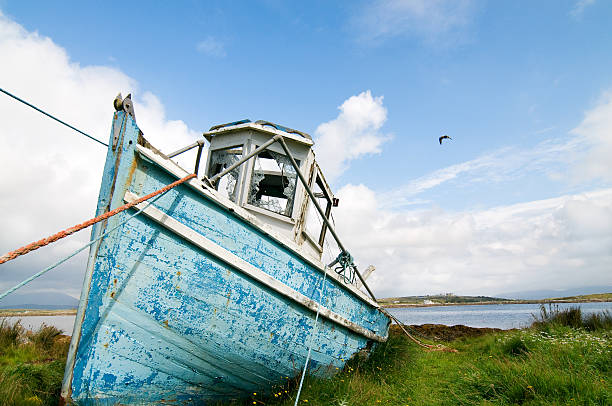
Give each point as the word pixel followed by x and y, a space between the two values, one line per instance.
pixel 520 198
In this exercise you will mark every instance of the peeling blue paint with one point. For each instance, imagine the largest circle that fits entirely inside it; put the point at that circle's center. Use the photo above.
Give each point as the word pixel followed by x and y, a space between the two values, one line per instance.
pixel 164 320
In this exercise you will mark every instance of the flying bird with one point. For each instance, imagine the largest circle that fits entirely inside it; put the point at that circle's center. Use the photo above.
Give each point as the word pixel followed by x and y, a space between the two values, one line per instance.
pixel 443 137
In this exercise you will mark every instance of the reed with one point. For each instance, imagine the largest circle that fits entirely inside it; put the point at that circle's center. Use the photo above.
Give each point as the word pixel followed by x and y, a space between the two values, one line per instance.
pixel 9 334
pixel 31 364
pixel 552 315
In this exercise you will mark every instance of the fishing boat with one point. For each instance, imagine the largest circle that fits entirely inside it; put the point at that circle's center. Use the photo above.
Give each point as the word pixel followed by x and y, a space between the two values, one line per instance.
pixel 216 288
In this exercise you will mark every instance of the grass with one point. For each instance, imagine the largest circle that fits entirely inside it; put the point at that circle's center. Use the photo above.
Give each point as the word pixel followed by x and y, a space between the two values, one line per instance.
pixel 572 317
pixel 557 361
pixel 36 312
pixel 600 297
pixel 563 359
pixel 31 364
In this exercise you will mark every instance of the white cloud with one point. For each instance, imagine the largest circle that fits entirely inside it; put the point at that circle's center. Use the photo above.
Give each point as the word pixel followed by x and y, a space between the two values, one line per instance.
pixel 558 243
pixel 435 21
pixel 596 132
pixel 351 135
pixel 579 7
pixel 212 47
pixel 50 174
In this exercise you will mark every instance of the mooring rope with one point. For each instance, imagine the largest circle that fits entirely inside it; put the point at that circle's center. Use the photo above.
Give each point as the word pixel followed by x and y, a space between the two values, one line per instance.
pixel 314 332
pixel 50 116
pixel 47 269
pixel 428 347
pixel 45 241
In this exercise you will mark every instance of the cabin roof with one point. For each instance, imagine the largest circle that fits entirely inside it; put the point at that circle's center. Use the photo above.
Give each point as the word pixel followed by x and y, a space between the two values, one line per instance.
pixel 261 126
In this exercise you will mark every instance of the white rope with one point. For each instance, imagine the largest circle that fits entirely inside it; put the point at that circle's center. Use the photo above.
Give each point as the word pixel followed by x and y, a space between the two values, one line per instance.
pixel 314 332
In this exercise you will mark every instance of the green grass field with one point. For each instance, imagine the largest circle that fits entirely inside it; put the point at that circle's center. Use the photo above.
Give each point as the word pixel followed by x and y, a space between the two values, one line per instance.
pixel 31 364
pixel 549 364
pixel 564 359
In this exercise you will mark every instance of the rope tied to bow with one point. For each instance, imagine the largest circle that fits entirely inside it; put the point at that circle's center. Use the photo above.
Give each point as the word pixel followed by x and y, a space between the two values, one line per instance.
pixel 57 236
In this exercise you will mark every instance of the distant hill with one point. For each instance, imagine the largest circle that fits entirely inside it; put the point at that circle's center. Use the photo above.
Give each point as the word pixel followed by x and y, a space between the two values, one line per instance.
pixel 439 299
pixel 550 293
pixel 604 297
pixel 43 300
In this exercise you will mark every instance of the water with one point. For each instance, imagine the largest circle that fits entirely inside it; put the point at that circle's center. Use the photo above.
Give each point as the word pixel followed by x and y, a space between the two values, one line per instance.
pixel 64 323
pixel 504 316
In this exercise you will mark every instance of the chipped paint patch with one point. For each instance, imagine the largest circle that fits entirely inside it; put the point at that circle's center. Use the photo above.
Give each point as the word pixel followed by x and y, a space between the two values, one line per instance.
pixel 230 334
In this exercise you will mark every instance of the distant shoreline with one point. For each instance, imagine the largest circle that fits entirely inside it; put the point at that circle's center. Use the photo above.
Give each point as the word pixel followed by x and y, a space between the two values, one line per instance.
pixel 72 312
pixel 544 301
pixel 36 312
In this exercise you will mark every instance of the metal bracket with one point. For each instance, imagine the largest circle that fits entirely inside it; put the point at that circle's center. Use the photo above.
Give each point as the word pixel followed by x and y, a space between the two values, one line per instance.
pixel 121 105
pixel 117 125
pixel 128 106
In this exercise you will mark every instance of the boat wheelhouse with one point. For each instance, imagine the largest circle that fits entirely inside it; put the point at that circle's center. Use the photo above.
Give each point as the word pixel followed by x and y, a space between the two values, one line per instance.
pixel 268 186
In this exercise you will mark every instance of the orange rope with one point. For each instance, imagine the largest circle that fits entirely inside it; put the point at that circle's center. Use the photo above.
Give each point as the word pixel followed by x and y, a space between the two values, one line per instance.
pixel 41 243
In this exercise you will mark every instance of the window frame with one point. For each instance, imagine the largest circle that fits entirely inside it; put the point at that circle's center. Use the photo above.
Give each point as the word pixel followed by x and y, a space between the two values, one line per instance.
pixel 247 178
pixel 241 170
pixel 317 178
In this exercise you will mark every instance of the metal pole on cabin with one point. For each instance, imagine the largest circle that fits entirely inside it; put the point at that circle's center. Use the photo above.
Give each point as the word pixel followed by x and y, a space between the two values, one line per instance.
pixel 185 149
pixel 314 200
pixel 280 139
pixel 246 158
pixel 197 163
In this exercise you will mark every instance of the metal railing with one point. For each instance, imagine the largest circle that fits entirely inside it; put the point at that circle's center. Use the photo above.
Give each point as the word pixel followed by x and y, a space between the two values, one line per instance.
pixel 277 138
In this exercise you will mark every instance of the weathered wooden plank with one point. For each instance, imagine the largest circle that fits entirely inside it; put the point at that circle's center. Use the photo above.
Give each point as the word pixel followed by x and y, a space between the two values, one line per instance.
pixel 201 188
pixel 248 242
pixel 246 268
pixel 176 319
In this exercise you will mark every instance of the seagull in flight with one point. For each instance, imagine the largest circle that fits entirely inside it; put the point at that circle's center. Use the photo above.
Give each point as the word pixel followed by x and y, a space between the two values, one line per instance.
pixel 443 137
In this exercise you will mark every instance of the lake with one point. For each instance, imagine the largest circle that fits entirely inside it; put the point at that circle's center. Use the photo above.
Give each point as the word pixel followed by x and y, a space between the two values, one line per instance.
pixel 64 323
pixel 504 316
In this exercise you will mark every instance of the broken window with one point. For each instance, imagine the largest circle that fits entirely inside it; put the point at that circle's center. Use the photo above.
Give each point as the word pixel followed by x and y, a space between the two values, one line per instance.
pixel 315 226
pixel 220 160
pixel 273 183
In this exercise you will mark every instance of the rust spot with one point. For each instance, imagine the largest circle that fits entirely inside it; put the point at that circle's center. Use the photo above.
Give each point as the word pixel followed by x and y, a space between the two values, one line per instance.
pixel 106 345
pixel 115 281
pixel 112 295
pixel 131 172
pixel 271 336
pixel 178 273
pixel 166 323
pixel 215 311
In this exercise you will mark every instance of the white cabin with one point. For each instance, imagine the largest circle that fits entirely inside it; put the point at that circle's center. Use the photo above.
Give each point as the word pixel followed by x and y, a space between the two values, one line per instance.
pixel 267 185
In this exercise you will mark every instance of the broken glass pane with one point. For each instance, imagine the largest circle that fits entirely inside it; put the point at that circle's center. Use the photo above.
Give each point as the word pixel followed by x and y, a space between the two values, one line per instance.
pixel 273 183
pixel 220 160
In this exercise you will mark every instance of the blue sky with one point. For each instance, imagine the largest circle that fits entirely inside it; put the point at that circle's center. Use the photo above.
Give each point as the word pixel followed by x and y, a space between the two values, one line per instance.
pixel 498 77
pixel 517 85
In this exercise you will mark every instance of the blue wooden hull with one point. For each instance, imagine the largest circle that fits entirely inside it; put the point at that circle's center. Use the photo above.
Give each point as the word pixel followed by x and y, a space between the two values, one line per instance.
pixel 162 320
